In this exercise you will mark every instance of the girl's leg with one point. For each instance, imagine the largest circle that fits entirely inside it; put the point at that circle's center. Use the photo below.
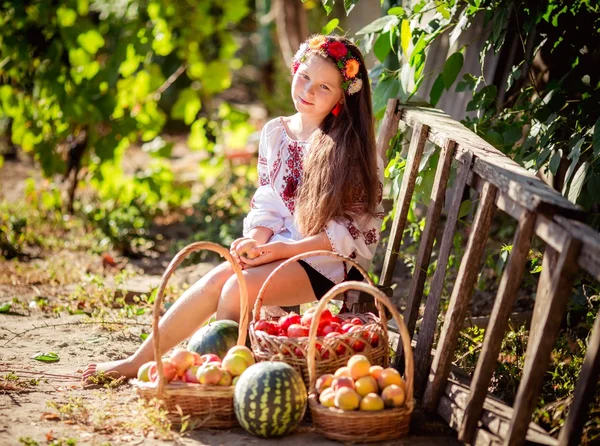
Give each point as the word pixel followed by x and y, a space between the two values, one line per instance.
pixel 290 286
pixel 186 315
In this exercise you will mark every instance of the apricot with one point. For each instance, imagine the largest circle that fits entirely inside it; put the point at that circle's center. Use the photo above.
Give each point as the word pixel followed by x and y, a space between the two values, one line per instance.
pixel 371 402
pixel 342 381
pixel 375 371
pixel 346 399
pixel 342 371
pixel 388 377
pixel 366 385
pixel 242 351
pixel 324 382
pixel 327 397
pixel 234 364
pixel 393 396
pixel 358 366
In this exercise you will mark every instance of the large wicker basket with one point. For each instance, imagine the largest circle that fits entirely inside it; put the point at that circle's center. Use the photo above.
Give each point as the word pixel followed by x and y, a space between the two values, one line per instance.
pixel 197 405
pixel 357 426
pixel 334 352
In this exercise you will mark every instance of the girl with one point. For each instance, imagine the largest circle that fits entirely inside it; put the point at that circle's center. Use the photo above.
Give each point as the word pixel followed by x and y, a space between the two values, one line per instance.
pixel 319 190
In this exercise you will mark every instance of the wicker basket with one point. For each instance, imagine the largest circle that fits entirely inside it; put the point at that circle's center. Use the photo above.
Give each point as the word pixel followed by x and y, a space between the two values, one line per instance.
pixel 334 352
pixel 198 405
pixel 357 426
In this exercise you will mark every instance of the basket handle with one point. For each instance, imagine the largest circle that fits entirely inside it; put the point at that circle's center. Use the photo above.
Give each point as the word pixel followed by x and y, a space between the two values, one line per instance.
pixel 288 262
pixel 179 257
pixel 379 297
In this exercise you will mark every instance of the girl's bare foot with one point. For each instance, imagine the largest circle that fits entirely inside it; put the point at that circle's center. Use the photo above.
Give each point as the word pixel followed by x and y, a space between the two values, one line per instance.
pixel 114 369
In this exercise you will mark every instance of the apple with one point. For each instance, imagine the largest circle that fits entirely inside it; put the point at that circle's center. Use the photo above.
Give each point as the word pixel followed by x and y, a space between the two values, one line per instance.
pixel 336 319
pixel 347 327
pixel 357 346
pixel 331 327
pixel 297 331
pixel 190 375
pixel 285 322
pixel 209 374
pixel 197 358
pixel 226 379
pixel 182 360
pixel 142 374
pixel 210 357
pixel 244 352
pixel 261 325
pixel 356 321
pixel 340 349
pixel 169 371
pixel 235 364
pixel 308 316
pixel 298 352
pixel 272 328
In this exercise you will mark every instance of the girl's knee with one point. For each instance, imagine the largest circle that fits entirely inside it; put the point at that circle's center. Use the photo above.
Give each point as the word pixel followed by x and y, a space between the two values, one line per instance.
pixel 229 302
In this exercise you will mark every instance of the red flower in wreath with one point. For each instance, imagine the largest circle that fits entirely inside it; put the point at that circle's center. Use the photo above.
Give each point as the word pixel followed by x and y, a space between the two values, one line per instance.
pixel 337 50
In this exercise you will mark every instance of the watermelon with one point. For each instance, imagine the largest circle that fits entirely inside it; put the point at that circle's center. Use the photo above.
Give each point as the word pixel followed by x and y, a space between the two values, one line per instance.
pixel 270 399
pixel 216 337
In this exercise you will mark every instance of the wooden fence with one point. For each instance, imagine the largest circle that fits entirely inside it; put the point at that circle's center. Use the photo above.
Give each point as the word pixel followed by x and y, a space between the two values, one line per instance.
pixel 539 210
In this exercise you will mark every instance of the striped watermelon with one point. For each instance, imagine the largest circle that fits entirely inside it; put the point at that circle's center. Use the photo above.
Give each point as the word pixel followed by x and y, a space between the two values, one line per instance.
pixel 217 337
pixel 270 399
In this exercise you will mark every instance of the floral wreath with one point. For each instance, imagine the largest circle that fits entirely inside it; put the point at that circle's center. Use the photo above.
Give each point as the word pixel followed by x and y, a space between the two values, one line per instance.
pixel 336 51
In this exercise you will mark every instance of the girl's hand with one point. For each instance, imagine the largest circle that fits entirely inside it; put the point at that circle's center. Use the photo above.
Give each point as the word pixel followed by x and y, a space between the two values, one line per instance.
pixel 269 252
pixel 243 248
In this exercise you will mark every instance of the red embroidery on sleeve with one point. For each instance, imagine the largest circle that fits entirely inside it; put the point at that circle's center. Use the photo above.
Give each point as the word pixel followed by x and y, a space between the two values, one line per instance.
pixel 293 176
pixel 355 233
pixel 370 236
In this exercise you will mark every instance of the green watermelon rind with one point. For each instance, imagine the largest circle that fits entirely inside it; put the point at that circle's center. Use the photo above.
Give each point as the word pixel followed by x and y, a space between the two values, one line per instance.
pixel 270 399
pixel 216 337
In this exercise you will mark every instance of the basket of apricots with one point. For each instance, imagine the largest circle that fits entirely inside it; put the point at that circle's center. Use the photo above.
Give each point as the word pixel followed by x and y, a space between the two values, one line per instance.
pixel 361 402
pixel 197 389
pixel 338 336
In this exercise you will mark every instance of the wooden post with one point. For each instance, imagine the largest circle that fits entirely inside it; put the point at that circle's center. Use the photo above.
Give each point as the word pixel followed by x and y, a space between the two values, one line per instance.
pixel 461 294
pixel 570 434
pixel 548 269
pixel 554 305
pixel 389 127
pixel 503 304
pixel 432 306
pixel 411 171
pixel 434 210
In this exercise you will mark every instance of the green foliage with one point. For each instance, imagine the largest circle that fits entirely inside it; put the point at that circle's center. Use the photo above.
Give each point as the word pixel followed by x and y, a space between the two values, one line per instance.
pixel 96 71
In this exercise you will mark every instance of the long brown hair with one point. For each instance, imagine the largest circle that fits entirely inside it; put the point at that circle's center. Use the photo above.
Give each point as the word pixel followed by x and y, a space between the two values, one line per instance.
pixel 340 171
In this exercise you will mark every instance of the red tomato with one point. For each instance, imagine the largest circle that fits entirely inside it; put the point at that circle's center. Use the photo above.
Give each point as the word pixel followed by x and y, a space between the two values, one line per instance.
pixel 347 327
pixel 297 331
pixel 286 321
pixel 357 346
pixel 356 321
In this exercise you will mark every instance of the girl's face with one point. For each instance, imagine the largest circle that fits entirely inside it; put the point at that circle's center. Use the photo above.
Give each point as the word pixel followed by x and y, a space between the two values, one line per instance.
pixel 316 87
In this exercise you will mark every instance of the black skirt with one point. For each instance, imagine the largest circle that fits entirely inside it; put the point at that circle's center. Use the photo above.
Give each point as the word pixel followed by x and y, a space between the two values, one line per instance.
pixel 321 284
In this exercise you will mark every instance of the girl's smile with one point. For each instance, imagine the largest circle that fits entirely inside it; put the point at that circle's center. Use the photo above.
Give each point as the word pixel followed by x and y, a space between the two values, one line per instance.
pixel 304 102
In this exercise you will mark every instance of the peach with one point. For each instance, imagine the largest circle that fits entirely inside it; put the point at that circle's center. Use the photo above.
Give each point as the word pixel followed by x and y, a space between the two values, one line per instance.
pixel 342 371
pixel 371 402
pixel 209 374
pixel 142 374
pixel 366 385
pixel 244 352
pixel 327 397
pixel 388 377
pixel 358 366
pixel 342 381
pixel 190 374
pixel 324 382
pixel 346 399
pixel 375 371
pixel 393 396
pixel 182 360
pixel 234 364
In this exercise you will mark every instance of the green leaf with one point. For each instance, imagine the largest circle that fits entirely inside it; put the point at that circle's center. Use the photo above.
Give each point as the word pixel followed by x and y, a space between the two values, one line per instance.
pixel 468 83
pixel 451 69
pixel 512 135
pixel 436 91
pixel 91 41
pixel 514 74
pixel 143 336
pixel 555 161
pixel 465 208
pixel 574 155
pixel 46 357
pixel 379 24
pixel 397 10
pixel 578 182
pixel 405 36
pixel 388 88
pixel 187 106
pixel 382 46
pixel 1 161
pixel 5 308
pixel 331 25
pixel 596 138
pixel 494 138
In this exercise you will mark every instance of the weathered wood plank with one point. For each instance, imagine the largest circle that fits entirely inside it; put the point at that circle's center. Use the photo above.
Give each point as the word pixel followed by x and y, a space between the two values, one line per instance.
pixel 549 262
pixel 389 127
pixel 461 294
pixel 434 210
pixel 495 416
pixel 538 352
pixel 570 434
pixel 407 188
pixel 510 178
pixel 452 414
pixel 432 306
pixel 589 258
pixel 505 298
